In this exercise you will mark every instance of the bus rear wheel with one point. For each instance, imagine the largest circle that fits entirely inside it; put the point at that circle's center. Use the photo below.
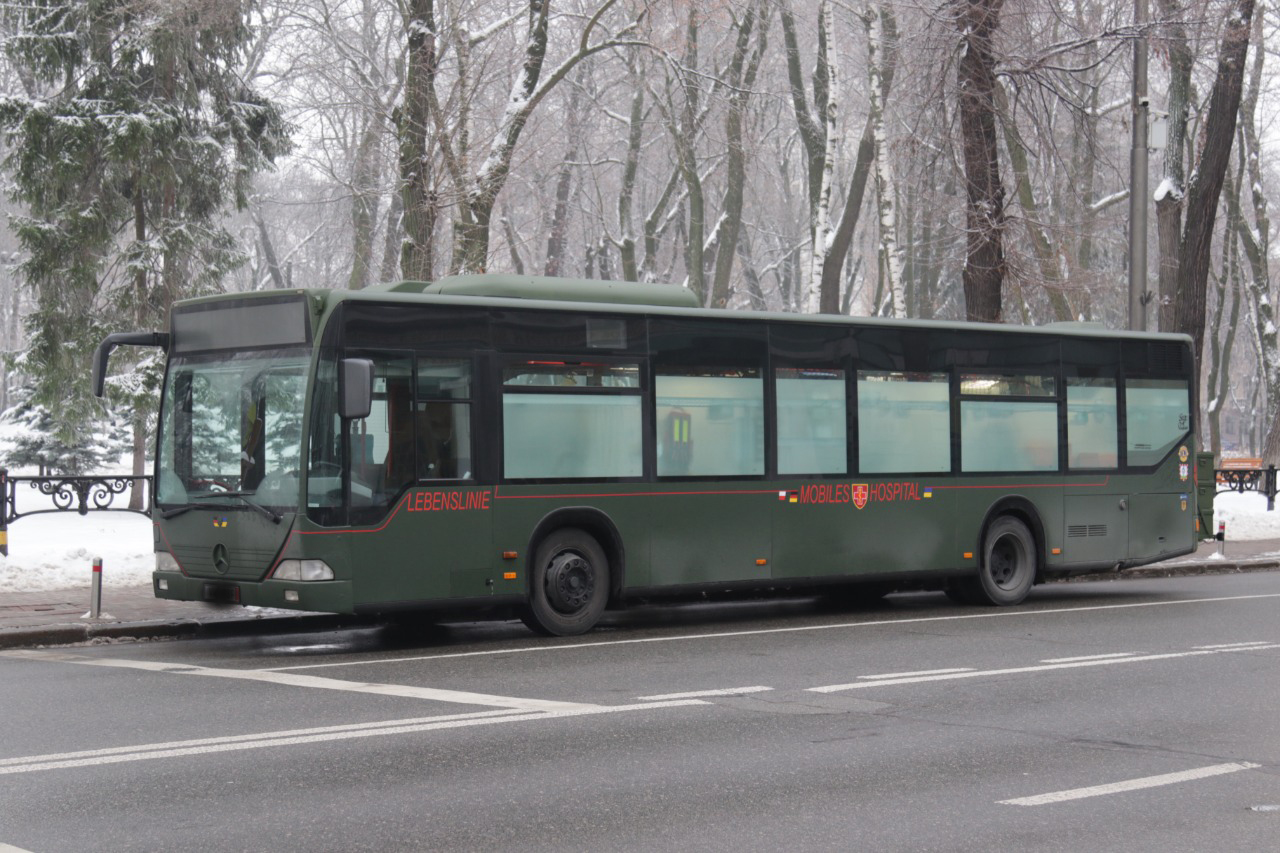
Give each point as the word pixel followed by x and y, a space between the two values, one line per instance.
pixel 1008 563
pixel 569 586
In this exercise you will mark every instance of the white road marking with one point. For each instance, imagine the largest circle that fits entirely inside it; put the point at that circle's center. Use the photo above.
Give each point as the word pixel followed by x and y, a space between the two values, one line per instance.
pixel 1014 670
pixel 1236 645
pixel 1089 657
pixel 316 682
pixel 208 746
pixel 1130 785
pixel 921 672
pixel 212 741
pixel 695 694
pixel 9 848
pixel 719 635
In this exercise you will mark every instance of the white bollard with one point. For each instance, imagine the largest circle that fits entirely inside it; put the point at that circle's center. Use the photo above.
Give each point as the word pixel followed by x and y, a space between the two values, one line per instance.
pixel 95 592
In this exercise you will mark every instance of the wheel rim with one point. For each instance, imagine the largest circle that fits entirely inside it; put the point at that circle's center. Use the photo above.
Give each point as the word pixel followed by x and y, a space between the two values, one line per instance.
pixel 571 582
pixel 1006 560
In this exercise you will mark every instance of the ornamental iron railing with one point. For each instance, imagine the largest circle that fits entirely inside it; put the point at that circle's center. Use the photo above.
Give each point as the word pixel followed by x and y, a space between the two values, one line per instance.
pixel 90 493
pixel 1260 480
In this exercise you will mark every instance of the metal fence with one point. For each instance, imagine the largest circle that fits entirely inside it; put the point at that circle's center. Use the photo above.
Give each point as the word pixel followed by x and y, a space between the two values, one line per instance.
pixel 1260 480
pixel 90 493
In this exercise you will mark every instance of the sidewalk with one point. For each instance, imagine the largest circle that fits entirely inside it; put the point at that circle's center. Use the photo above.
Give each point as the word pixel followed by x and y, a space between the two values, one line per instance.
pixel 59 617
pixel 55 618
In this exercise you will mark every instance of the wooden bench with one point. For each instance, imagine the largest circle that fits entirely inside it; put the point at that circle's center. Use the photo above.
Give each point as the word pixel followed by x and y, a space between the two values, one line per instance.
pixel 1238 463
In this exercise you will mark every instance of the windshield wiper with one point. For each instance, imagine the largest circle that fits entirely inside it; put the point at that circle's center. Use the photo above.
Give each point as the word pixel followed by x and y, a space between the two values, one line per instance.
pixel 242 495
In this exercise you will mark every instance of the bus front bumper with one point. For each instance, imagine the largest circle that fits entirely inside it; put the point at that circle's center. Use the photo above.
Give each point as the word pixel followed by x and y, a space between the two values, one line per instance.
pixel 313 596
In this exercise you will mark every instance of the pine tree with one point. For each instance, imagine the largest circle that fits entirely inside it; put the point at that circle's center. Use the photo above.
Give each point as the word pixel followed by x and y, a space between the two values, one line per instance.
pixel 135 135
pixel 32 442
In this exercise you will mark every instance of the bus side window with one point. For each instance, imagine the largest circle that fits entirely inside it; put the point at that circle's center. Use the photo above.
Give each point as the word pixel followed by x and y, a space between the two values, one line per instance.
pixel 442 418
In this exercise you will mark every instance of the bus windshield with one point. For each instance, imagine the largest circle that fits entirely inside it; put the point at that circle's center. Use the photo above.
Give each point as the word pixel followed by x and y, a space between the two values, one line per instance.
pixel 231 427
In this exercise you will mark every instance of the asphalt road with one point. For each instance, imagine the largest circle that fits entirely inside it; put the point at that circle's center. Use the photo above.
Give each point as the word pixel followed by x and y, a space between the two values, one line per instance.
pixel 1138 715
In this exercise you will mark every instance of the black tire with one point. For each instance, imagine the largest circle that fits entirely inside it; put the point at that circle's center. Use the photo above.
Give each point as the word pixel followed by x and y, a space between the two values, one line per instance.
pixel 568 584
pixel 1008 567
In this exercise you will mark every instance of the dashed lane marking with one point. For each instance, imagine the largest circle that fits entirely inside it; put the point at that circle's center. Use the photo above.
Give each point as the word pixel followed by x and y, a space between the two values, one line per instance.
pixel 697 694
pixel 1045 667
pixel 1130 785
pixel 1089 657
pixel 921 672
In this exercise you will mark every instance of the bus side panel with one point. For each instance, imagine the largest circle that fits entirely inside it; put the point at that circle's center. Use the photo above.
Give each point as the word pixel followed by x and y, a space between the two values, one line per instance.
pixel 1162 516
pixel 708 538
pixel 434 545
pixel 977 502
pixel 520 511
pixel 845 528
pixel 1159 525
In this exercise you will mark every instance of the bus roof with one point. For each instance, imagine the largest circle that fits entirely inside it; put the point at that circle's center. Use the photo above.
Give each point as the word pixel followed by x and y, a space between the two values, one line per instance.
pixel 625 297
pixel 622 297
pixel 554 289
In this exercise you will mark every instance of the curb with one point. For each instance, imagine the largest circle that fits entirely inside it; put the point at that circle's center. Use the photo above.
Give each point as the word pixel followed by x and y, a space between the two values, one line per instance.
pixel 72 633
pixel 1182 570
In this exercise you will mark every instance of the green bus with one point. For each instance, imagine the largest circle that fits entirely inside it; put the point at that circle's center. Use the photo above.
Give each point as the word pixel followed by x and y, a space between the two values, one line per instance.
pixel 568 446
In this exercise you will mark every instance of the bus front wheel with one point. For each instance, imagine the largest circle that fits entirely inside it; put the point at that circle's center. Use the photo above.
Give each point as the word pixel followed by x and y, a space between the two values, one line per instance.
pixel 1008 563
pixel 569 586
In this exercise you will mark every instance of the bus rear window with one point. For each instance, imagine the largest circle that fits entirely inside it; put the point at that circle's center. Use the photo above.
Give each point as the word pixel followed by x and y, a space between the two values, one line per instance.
pixel 1158 413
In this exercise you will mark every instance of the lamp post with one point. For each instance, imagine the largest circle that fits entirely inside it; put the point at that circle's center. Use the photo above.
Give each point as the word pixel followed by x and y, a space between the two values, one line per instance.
pixel 1138 176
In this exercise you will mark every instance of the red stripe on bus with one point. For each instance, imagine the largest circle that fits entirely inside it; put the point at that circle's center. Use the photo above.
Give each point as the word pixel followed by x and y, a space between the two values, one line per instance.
pixel 1104 482
pixel 633 494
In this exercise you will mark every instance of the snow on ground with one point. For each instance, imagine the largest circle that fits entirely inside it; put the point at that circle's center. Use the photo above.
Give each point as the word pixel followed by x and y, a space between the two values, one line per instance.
pixel 56 551
pixel 1246 516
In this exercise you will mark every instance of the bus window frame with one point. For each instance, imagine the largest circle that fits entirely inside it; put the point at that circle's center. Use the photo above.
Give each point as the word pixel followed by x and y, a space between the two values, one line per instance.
pixel 1148 359
pixel 1058 399
pixel 500 389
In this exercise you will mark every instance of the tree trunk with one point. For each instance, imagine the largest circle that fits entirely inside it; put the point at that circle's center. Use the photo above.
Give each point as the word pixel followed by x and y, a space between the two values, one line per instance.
pixel 390 270
pixel 1256 243
pixel 686 158
pixel 1206 185
pixel 626 195
pixel 557 233
pixel 984 266
pixel 823 230
pixel 366 174
pixel 418 195
pixel 1169 198
pixel 741 78
pixel 268 250
pixel 1046 258
pixel 880 50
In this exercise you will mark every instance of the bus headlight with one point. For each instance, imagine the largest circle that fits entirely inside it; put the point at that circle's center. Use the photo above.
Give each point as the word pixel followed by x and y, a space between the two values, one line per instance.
pixel 166 563
pixel 303 570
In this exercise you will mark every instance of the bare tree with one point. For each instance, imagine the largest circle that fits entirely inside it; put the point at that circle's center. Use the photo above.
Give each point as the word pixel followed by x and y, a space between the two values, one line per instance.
pixel 1206 183
pixel 984 267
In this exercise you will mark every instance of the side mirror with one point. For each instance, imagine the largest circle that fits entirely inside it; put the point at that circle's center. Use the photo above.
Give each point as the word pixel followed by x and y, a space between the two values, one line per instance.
pixel 355 388
pixel 138 339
